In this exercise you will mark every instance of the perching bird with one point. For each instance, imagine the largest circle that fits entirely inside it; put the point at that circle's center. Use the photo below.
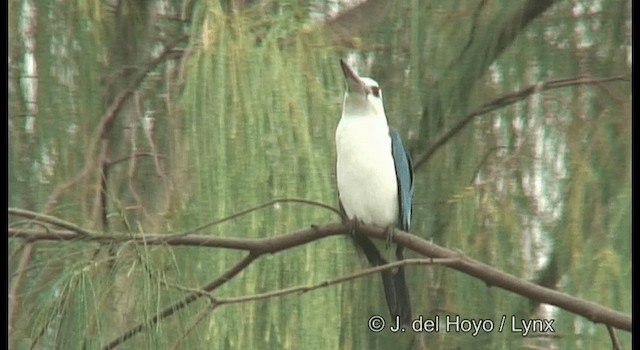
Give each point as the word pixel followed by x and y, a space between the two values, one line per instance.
pixel 375 178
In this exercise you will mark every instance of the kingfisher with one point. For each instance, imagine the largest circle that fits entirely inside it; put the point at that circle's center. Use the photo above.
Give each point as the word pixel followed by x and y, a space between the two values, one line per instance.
pixel 375 179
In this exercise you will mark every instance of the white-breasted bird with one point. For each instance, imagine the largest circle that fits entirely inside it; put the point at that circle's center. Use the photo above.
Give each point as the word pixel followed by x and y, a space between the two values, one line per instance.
pixel 375 178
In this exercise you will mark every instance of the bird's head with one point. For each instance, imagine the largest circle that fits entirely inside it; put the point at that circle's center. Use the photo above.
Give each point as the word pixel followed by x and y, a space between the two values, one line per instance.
pixel 363 95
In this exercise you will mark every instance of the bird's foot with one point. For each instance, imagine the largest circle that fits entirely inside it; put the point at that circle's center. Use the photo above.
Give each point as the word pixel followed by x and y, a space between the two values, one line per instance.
pixel 354 226
pixel 389 231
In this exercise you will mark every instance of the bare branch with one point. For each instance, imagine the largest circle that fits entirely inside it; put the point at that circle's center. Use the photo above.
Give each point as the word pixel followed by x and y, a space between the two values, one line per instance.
pixel 261 245
pixel 490 275
pixel 136 154
pixel 509 99
pixel 170 310
pixel 491 39
pixel 48 219
pixel 105 122
pixel 216 302
pixel 75 232
pixel 262 206
pixel 197 320
pixel 334 281
pixel 494 277
pixel 615 343
pixel 509 30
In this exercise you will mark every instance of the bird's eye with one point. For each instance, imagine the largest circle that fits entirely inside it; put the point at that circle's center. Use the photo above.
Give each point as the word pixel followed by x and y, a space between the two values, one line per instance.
pixel 375 90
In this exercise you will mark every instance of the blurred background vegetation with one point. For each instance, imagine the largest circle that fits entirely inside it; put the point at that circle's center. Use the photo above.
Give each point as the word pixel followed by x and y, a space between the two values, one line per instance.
pixel 131 116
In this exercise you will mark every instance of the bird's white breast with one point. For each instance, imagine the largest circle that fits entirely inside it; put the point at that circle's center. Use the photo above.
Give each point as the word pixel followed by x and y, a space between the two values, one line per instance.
pixel 365 170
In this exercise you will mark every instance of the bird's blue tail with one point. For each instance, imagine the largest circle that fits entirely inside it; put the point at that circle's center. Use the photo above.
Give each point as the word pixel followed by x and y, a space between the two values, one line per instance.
pixel 394 283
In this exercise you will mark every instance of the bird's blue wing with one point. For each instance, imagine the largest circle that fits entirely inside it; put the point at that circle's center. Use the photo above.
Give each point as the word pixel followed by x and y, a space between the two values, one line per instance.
pixel 404 175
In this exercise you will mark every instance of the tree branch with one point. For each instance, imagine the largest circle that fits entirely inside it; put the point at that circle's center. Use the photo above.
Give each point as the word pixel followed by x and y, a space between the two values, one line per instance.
pixel 53 220
pixel 334 281
pixel 494 277
pixel 105 122
pixel 506 100
pixel 259 245
pixel 256 247
pixel 485 44
pixel 216 302
pixel 615 343
pixel 510 29
pixel 170 310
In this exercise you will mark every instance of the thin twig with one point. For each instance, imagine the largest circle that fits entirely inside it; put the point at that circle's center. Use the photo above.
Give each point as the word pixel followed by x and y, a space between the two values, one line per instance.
pixel 171 239
pixel 53 220
pixel 106 120
pixel 136 154
pixel 494 277
pixel 199 318
pixel 258 207
pixel 490 275
pixel 217 302
pixel 170 310
pixel 334 281
pixel 615 342
pixel 271 244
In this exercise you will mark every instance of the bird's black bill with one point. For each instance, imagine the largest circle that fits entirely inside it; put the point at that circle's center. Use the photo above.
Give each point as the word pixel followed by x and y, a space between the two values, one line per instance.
pixel 353 80
pixel 347 71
